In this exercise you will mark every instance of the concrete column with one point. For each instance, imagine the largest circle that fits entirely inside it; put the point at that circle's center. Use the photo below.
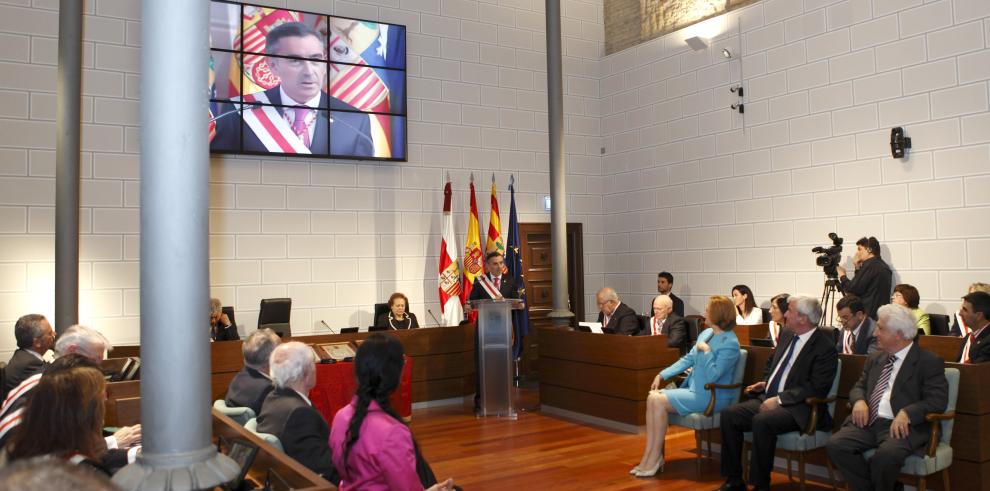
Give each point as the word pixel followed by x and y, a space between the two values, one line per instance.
pixel 561 314
pixel 175 350
pixel 67 121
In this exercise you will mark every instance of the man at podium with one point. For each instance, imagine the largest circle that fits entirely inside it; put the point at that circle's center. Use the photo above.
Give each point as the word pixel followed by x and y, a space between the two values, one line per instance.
pixel 491 285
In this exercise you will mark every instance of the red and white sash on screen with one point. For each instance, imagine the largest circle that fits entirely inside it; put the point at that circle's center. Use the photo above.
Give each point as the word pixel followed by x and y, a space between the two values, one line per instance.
pixel 489 287
pixel 271 128
pixel 964 330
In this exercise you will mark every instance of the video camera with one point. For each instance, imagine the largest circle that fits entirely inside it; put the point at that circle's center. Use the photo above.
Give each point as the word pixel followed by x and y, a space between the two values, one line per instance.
pixel 829 257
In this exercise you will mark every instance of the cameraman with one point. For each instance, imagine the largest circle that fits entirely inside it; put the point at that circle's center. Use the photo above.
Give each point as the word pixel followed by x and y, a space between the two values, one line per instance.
pixel 873 279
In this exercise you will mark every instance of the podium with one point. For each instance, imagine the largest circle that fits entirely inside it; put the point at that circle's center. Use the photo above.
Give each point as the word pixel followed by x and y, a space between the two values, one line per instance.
pixel 495 369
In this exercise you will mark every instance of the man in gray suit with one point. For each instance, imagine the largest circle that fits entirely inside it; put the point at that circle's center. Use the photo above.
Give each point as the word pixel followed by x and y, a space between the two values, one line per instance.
pixel 856 336
pixel 900 384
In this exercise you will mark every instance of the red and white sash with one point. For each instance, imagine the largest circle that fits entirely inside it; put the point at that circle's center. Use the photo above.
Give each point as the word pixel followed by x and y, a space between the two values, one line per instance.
pixel 964 330
pixel 774 330
pixel 657 326
pixel 271 128
pixel 489 287
pixel 19 391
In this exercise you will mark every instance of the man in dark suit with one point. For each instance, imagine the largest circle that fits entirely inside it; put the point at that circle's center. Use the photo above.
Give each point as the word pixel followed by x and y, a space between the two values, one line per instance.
pixel 288 413
pixel 301 128
pixel 856 336
pixel 975 312
pixel 493 284
pixel 221 328
pixel 251 385
pixel 665 283
pixel 873 281
pixel 35 336
pixel 803 366
pixel 665 321
pixel 615 316
pixel 900 384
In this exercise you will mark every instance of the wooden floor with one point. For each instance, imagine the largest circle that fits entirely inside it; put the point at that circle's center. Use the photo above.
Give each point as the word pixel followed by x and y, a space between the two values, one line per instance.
pixel 544 452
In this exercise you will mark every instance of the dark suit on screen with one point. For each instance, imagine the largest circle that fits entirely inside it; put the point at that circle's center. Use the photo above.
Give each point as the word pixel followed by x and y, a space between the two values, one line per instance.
pixel 300 428
pixel 919 388
pixel 350 133
pixel 675 327
pixel 811 375
pixel 979 350
pixel 866 342
pixel 249 388
pixel 623 320
pixel 22 365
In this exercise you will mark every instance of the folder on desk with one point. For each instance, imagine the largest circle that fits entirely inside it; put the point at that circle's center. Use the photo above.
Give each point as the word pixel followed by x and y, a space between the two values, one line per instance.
pixel 593 327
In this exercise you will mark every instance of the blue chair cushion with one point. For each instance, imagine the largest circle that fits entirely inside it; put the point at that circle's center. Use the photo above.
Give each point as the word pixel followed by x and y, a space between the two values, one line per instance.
pixel 923 465
pixel 696 421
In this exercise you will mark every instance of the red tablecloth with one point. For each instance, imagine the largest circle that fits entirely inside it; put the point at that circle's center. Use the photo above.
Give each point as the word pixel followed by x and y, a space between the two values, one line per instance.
pixel 335 387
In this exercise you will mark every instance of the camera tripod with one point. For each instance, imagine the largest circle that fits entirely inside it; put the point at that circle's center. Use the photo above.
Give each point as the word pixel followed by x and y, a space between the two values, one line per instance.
pixel 829 293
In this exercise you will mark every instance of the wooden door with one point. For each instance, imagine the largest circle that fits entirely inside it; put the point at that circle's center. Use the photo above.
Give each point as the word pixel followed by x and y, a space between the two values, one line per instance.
pixel 538 270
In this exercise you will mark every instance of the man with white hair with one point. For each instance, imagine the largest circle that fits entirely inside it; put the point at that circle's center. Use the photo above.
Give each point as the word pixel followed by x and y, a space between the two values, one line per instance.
pixel 251 385
pixel 615 316
pixel 665 321
pixel 288 413
pixel 900 384
pixel 803 366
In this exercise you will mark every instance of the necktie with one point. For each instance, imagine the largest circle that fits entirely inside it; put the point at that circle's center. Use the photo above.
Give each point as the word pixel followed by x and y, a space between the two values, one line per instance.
pixel 299 126
pixel 850 342
pixel 880 388
pixel 498 282
pixel 775 381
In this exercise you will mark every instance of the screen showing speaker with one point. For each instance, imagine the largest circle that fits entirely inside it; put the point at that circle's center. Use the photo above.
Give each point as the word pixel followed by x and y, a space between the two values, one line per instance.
pixel 288 82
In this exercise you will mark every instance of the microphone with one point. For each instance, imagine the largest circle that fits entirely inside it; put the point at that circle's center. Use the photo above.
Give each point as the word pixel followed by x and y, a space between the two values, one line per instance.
pixel 434 317
pixel 356 130
pixel 241 107
pixel 328 327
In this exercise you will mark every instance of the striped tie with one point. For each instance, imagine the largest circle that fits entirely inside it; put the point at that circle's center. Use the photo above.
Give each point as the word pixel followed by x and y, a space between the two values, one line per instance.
pixel 850 339
pixel 880 388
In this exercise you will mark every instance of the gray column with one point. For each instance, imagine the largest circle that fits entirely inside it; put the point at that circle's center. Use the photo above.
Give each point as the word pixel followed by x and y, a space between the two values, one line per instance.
pixel 67 120
pixel 561 314
pixel 176 425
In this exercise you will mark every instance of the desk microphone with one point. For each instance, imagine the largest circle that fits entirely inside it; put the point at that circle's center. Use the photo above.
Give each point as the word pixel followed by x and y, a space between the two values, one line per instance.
pixel 434 317
pixel 328 327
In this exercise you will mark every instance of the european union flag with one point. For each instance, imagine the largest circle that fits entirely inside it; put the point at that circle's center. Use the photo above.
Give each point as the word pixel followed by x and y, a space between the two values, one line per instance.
pixel 513 261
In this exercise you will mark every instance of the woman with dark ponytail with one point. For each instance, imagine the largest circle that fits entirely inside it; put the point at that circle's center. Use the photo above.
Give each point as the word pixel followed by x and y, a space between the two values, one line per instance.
pixel 372 448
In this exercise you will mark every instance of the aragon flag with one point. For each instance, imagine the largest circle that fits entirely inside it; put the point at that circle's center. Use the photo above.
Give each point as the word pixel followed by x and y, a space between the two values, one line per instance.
pixel 449 279
pixel 473 258
pixel 495 242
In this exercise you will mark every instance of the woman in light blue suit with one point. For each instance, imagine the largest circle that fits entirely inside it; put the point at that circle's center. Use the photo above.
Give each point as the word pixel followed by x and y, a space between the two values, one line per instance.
pixel 712 360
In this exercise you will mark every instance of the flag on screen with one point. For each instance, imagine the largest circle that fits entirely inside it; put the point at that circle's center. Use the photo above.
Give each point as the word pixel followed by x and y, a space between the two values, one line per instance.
pixel 474 260
pixel 495 242
pixel 449 279
pixel 513 260
pixel 257 76
pixel 212 83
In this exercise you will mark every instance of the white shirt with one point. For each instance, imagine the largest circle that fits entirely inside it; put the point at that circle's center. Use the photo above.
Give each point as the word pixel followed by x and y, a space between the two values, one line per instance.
pixel 288 101
pixel 755 317
pixel 885 411
pixel 303 396
pixel 802 340
pixel 36 355
pixel 854 332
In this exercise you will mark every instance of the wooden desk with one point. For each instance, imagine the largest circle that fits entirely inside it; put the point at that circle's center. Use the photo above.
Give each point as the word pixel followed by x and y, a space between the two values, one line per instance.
pixel 268 457
pixel 945 346
pixel 123 404
pixel 443 360
pixel 604 376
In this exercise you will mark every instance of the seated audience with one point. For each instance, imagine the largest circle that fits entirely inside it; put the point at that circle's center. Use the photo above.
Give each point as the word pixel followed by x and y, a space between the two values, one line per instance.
pixel 615 316
pixel 372 448
pixel 64 419
pixel 747 313
pixel 856 336
pixel 889 416
pixel 802 366
pixel 35 336
pixel 778 308
pixel 976 313
pixel 907 296
pixel 713 360
pixel 251 385
pixel 398 316
pixel 959 327
pixel 665 321
pixel 288 413
pixel 48 473
pixel 665 283
pixel 221 329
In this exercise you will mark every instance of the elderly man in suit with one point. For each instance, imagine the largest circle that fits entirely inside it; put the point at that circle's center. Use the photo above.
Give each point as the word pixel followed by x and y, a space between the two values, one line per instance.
pixel 665 321
pixel 251 385
pixel 615 316
pixel 900 384
pixel 803 366
pixel 288 413
pixel 975 312
pixel 856 336
pixel 35 336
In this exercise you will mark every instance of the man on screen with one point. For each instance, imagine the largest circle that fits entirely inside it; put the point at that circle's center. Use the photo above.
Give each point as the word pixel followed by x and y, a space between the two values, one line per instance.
pixel 300 129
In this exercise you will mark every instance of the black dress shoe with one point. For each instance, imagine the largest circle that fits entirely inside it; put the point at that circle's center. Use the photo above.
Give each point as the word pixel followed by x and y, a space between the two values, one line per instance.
pixel 732 486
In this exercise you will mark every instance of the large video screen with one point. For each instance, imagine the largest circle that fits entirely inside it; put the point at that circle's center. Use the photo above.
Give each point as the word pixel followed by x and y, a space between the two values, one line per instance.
pixel 287 82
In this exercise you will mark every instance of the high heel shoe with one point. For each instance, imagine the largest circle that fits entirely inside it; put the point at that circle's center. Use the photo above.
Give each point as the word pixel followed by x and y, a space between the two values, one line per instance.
pixel 651 472
pixel 634 470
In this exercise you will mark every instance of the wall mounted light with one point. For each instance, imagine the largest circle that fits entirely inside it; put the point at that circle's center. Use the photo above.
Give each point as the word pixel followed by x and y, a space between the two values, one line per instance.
pixel 726 53
pixel 736 89
pixel 898 143
pixel 739 107
pixel 696 43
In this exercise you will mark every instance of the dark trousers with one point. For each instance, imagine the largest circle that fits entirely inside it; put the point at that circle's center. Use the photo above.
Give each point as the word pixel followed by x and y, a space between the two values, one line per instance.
pixel 846 448
pixel 744 417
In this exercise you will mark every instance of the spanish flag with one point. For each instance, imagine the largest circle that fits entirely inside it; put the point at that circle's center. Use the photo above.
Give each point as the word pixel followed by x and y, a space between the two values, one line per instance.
pixel 474 260
pixel 495 242
pixel 256 75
